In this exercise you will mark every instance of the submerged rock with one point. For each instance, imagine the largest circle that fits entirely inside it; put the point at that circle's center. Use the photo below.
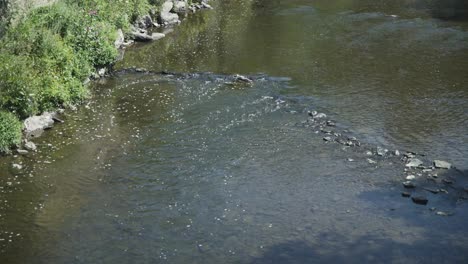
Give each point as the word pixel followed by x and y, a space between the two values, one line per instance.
pixel 440 164
pixel 420 200
pixel 406 194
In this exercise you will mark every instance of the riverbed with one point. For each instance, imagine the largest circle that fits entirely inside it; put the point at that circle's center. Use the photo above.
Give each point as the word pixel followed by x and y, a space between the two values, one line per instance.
pixel 193 167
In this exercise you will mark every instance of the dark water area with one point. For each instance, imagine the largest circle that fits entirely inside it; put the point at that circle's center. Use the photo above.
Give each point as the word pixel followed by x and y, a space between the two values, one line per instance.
pixel 197 169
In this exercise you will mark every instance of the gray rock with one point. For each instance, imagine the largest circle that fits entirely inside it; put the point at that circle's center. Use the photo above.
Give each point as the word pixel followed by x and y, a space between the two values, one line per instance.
pixel 17 166
pixel 410 177
pixel 145 21
pixel 180 6
pixel 420 200
pixel 409 185
pixel 440 164
pixel 119 41
pixel 22 151
pixel 207 6
pixel 165 15
pixel 327 139
pixel 331 123
pixel 139 36
pixel 396 153
pixel 381 152
pixel 241 78
pixel 414 162
pixel 30 146
pixel 102 72
pixel 41 122
pixel 320 115
pixel 371 161
pixel 405 194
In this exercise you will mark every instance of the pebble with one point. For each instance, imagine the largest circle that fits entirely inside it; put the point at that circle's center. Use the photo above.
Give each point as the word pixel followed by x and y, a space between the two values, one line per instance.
pixel 410 177
pixel 371 161
pixel 327 138
pixel 396 153
pixel 420 200
pixel 350 160
pixel 369 153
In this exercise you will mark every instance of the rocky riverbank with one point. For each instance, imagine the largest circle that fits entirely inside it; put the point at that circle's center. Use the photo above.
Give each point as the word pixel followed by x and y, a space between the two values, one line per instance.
pixel 167 15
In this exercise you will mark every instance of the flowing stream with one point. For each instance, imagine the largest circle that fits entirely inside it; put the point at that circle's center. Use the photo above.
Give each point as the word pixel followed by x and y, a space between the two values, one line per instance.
pixel 194 167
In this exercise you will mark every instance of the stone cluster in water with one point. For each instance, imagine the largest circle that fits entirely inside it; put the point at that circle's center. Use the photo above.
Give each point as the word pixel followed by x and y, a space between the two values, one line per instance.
pixel 419 174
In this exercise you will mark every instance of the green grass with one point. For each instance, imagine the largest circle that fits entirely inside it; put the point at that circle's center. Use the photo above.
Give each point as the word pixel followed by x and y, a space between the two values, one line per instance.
pixel 10 131
pixel 46 55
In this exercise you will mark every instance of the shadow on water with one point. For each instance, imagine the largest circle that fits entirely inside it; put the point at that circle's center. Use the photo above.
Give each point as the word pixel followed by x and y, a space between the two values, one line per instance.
pixel 450 10
pixel 363 250
pixel 439 222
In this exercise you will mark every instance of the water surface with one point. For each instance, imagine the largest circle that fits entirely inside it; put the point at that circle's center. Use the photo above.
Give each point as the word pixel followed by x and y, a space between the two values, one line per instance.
pixel 158 168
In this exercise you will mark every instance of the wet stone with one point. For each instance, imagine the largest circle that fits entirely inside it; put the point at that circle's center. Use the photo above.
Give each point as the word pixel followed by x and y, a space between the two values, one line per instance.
pixel 17 166
pixel 327 139
pixel 410 177
pixel 331 123
pixel 22 151
pixel 413 162
pixel 447 181
pixel 440 164
pixel 406 194
pixel 408 185
pixel 420 200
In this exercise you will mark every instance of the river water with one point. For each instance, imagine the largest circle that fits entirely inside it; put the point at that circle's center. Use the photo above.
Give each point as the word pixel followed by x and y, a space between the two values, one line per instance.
pixel 161 168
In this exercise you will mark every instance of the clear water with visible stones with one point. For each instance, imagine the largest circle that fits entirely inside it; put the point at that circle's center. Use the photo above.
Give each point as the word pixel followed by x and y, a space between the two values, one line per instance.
pixel 195 169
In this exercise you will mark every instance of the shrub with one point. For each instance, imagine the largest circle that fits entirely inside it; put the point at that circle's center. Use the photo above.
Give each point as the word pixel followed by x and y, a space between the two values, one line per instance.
pixel 46 55
pixel 10 131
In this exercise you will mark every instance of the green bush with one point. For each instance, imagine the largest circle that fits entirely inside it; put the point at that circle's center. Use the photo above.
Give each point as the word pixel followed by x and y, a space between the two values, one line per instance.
pixel 46 56
pixel 10 131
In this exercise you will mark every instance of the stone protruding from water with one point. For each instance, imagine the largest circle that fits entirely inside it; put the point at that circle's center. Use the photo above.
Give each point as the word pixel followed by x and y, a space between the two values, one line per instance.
pixel 440 164
pixel 165 15
pixel 414 162
pixel 41 122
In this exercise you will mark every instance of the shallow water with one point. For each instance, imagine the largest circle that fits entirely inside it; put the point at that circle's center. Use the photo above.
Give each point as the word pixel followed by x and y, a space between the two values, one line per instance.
pixel 160 168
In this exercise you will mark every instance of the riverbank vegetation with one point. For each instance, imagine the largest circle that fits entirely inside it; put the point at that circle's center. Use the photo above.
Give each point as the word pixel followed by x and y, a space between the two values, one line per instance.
pixel 47 55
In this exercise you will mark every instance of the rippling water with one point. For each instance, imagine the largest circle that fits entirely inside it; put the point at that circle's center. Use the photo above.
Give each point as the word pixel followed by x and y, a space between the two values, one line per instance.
pixel 195 169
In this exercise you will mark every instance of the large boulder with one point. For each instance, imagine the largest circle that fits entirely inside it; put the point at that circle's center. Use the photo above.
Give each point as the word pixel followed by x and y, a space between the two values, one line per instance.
pixel 180 6
pixel 165 15
pixel 144 22
pixel 37 123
